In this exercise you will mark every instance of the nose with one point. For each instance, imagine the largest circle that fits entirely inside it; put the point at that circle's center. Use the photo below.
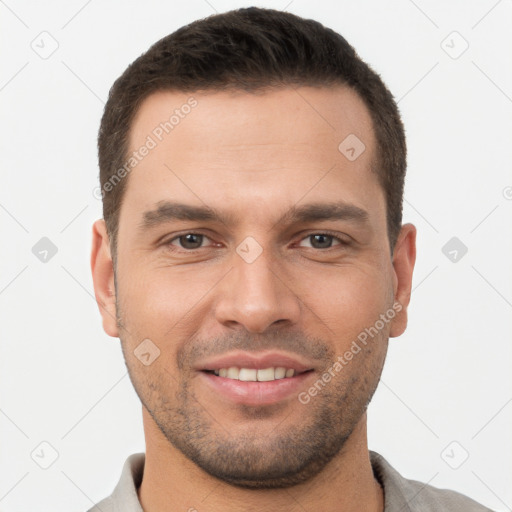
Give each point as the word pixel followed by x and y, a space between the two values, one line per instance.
pixel 256 295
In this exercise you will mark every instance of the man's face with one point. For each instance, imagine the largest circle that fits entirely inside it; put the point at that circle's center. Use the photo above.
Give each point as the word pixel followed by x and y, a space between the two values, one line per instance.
pixel 271 283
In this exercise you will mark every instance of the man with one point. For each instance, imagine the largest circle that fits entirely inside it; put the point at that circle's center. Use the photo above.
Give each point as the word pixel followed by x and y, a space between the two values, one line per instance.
pixel 253 263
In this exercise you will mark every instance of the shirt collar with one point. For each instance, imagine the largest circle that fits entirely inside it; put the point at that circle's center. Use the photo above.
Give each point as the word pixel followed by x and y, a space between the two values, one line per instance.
pixel 398 495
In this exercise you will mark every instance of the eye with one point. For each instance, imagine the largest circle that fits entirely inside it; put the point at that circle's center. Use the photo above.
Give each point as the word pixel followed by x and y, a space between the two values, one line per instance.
pixel 323 240
pixel 194 241
pixel 189 241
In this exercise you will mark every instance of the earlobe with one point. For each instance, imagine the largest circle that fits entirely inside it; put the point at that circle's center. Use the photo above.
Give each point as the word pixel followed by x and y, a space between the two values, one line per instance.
pixel 103 277
pixel 404 257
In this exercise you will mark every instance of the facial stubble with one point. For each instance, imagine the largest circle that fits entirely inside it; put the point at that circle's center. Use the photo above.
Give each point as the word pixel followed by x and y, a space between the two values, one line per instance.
pixel 245 455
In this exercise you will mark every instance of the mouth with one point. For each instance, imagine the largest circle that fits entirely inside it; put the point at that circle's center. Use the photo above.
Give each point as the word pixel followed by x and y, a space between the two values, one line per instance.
pixel 255 379
pixel 256 374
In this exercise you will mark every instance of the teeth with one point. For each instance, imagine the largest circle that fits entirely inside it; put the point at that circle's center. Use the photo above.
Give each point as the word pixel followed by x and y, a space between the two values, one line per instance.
pixel 248 374
pixel 233 373
pixel 253 375
pixel 279 373
pixel 266 375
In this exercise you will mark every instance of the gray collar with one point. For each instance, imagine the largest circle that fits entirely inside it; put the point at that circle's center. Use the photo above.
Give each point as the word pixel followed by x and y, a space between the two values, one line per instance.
pixel 400 494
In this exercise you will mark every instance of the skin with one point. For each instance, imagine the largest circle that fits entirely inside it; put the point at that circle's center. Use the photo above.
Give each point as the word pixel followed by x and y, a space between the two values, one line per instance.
pixel 254 156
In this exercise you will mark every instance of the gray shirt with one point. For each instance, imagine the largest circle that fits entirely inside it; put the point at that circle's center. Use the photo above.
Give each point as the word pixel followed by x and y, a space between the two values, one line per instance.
pixel 400 494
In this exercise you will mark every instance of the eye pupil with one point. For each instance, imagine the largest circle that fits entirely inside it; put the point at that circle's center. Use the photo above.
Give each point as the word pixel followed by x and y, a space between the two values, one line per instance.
pixel 322 238
pixel 188 239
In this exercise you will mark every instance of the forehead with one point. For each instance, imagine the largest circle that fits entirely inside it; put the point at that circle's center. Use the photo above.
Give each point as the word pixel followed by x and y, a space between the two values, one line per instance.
pixel 262 148
pixel 208 119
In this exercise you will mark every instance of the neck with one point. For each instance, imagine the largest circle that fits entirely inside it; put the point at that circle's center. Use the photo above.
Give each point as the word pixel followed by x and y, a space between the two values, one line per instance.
pixel 171 482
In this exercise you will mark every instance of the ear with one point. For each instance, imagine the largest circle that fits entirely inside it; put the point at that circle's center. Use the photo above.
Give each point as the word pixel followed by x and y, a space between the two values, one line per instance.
pixel 102 269
pixel 404 257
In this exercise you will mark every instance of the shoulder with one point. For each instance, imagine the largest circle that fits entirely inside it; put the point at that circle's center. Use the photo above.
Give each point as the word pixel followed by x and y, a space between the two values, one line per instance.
pixel 124 497
pixel 413 496
pixel 106 505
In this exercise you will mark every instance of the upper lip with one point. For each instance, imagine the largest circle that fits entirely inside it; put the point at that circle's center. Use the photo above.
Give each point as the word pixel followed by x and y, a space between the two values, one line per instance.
pixel 256 360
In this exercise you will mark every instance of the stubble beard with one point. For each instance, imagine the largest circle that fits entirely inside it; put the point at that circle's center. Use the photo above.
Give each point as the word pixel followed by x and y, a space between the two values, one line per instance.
pixel 286 456
pixel 289 454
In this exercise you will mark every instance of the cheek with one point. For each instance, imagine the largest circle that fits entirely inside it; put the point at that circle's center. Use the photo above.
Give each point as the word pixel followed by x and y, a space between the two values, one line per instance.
pixel 163 303
pixel 347 299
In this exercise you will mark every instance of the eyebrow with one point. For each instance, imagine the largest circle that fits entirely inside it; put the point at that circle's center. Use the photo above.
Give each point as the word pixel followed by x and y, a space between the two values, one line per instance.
pixel 167 211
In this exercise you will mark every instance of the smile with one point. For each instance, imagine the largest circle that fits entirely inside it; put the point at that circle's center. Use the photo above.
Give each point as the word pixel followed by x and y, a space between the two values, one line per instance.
pixel 255 374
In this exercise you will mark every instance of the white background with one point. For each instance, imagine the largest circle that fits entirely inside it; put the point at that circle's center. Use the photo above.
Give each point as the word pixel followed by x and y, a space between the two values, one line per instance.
pixel 448 378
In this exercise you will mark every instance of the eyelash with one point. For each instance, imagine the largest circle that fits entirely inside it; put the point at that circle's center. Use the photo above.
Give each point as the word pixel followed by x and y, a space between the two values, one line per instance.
pixel 341 241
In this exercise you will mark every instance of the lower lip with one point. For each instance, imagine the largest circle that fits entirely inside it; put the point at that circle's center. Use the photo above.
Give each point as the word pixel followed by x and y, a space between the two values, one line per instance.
pixel 256 393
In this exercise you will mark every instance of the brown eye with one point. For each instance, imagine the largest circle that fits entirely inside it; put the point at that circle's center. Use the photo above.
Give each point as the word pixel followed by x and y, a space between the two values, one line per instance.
pixel 322 240
pixel 189 241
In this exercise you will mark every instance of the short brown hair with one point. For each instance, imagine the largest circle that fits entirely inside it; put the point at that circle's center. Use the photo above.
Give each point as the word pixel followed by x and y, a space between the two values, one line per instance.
pixel 249 49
